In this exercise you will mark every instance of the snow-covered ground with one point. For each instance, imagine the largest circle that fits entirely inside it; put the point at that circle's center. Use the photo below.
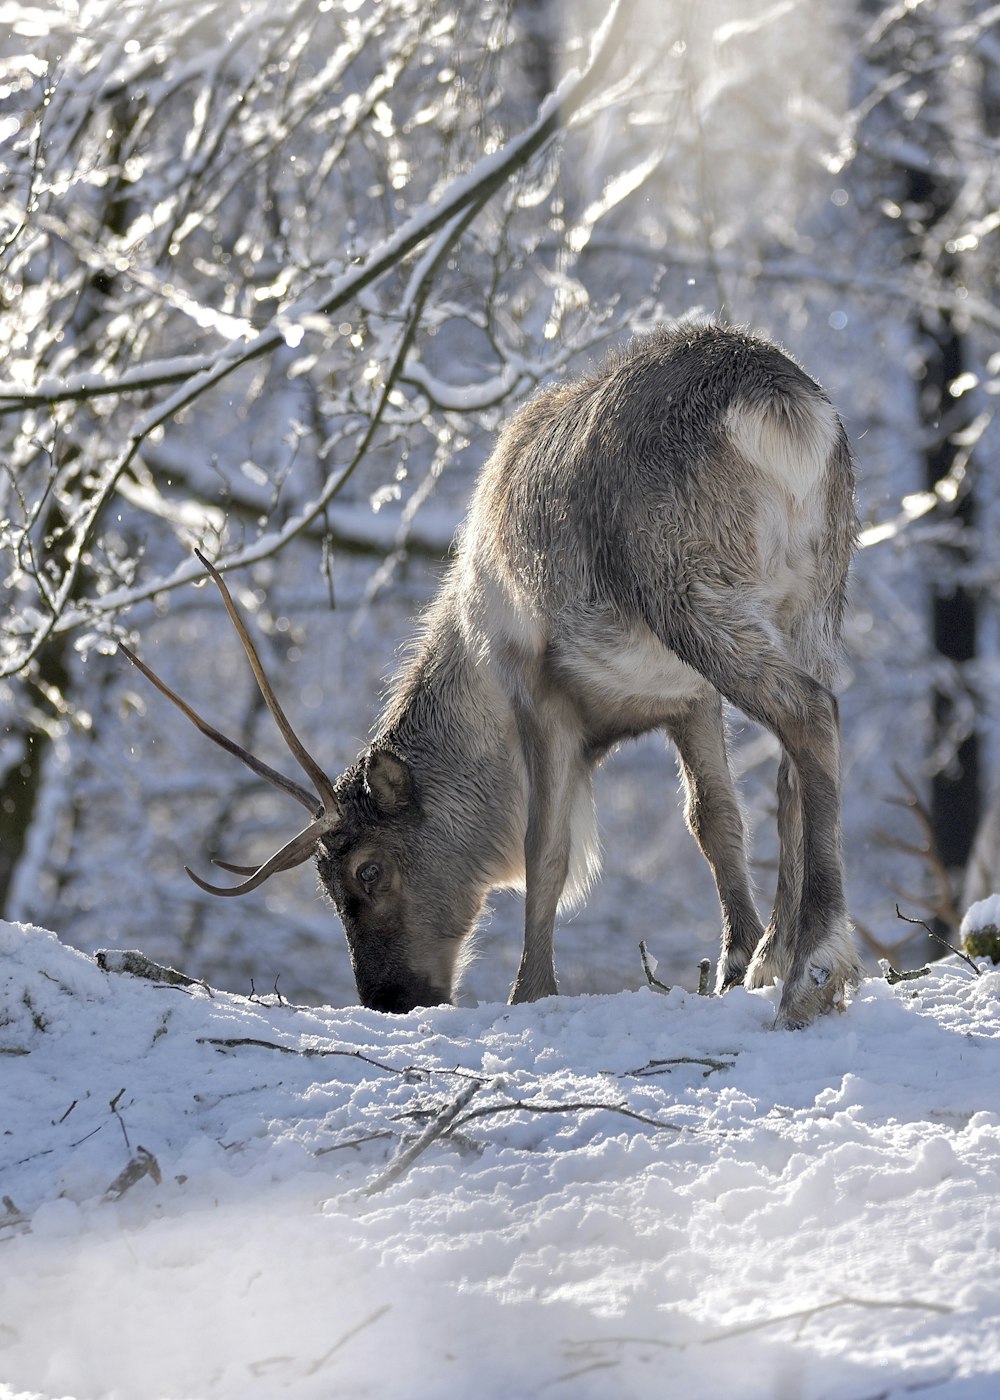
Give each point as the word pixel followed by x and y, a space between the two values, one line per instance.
pixel 608 1196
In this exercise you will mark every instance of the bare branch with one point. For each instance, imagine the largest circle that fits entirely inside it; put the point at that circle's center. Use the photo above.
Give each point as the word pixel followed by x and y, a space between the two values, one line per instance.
pixel 649 968
pixel 462 200
pixel 438 1125
pixel 473 189
pixel 938 939
pixel 941 903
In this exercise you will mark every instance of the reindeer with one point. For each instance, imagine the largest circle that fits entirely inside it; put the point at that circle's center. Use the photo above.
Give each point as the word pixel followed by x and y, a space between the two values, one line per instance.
pixel 670 531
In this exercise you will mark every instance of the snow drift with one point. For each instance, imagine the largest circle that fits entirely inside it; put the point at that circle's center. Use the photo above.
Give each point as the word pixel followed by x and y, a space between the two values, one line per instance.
pixel 205 1195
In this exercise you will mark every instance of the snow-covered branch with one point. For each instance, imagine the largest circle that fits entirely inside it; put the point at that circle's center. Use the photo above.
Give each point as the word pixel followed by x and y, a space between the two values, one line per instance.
pixel 439 222
pixel 472 189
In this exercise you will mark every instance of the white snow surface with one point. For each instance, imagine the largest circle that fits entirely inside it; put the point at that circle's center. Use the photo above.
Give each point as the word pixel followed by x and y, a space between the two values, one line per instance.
pixel 640 1196
pixel 982 916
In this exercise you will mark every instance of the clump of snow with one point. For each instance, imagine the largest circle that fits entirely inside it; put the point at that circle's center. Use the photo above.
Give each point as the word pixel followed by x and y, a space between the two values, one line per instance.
pixel 982 917
pixel 980 930
pixel 631 1196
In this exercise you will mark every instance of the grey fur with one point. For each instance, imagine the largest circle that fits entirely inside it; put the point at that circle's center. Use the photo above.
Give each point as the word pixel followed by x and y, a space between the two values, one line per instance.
pixel 676 527
pixel 672 530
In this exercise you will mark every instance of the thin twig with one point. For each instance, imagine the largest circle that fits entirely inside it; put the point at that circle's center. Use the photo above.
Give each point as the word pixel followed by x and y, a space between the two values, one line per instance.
pixel 573 1106
pixel 807 1314
pixel 235 1042
pixel 938 939
pixel 121 1121
pixel 892 975
pixel 435 1128
pixel 57 1121
pixel 348 1336
pixel 308 1052
pixel 652 1067
pixel 353 1142
pixel 647 967
pixel 928 851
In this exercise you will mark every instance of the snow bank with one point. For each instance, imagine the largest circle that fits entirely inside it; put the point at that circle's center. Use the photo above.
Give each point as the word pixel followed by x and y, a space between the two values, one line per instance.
pixel 621 1196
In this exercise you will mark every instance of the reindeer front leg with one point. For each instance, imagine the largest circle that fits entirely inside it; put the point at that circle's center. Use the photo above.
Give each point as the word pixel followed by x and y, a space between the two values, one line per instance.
pixel 551 763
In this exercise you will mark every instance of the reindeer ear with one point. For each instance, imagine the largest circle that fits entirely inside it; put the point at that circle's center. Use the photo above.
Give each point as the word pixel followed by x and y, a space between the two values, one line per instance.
pixel 389 780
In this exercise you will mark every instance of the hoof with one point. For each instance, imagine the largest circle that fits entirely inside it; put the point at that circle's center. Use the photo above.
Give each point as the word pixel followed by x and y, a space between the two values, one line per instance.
pixel 766 967
pixel 820 990
pixel 730 974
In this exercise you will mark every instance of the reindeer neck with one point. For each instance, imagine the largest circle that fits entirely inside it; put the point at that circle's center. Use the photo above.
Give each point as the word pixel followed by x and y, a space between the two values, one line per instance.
pixel 445 704
pixel 449 720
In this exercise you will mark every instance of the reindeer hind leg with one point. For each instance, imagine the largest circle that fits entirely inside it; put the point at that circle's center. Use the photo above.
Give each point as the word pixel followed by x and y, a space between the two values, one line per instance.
pixel 715 819
pixel 746 662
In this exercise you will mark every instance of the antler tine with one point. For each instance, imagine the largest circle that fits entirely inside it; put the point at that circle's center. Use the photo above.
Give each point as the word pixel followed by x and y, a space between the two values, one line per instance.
pixel 321 781
pixel 235 869
pixel 256 765
pixel 295 852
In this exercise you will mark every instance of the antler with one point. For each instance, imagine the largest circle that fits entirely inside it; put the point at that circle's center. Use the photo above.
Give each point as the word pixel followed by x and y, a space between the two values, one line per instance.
pixel 322 804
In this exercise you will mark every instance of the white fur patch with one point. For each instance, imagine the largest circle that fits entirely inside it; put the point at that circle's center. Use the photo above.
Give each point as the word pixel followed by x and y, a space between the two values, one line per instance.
pixel 791 443
pixel 637 667
pixel 492 616
pixel 584 848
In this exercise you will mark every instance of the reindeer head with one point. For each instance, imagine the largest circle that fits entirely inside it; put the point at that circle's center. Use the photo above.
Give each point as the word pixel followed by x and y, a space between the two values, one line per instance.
pixel 390 871
pixel 404 920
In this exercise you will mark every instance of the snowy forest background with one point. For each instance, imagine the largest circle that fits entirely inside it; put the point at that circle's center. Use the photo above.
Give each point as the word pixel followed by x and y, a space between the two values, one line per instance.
pixel 270 279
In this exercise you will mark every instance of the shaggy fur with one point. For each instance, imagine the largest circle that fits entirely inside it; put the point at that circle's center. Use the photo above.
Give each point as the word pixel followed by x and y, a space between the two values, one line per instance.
pixel 672 530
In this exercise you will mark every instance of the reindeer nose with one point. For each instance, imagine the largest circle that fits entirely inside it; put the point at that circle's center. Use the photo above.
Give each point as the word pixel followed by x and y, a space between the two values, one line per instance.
pixel 397 998
pixel 393 999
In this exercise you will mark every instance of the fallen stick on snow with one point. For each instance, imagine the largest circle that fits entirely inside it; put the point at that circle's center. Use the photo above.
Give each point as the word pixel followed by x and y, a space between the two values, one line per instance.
pixel 438 1125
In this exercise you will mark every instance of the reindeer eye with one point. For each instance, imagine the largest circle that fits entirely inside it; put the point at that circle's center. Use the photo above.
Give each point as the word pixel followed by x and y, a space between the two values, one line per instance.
pixel 369 874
